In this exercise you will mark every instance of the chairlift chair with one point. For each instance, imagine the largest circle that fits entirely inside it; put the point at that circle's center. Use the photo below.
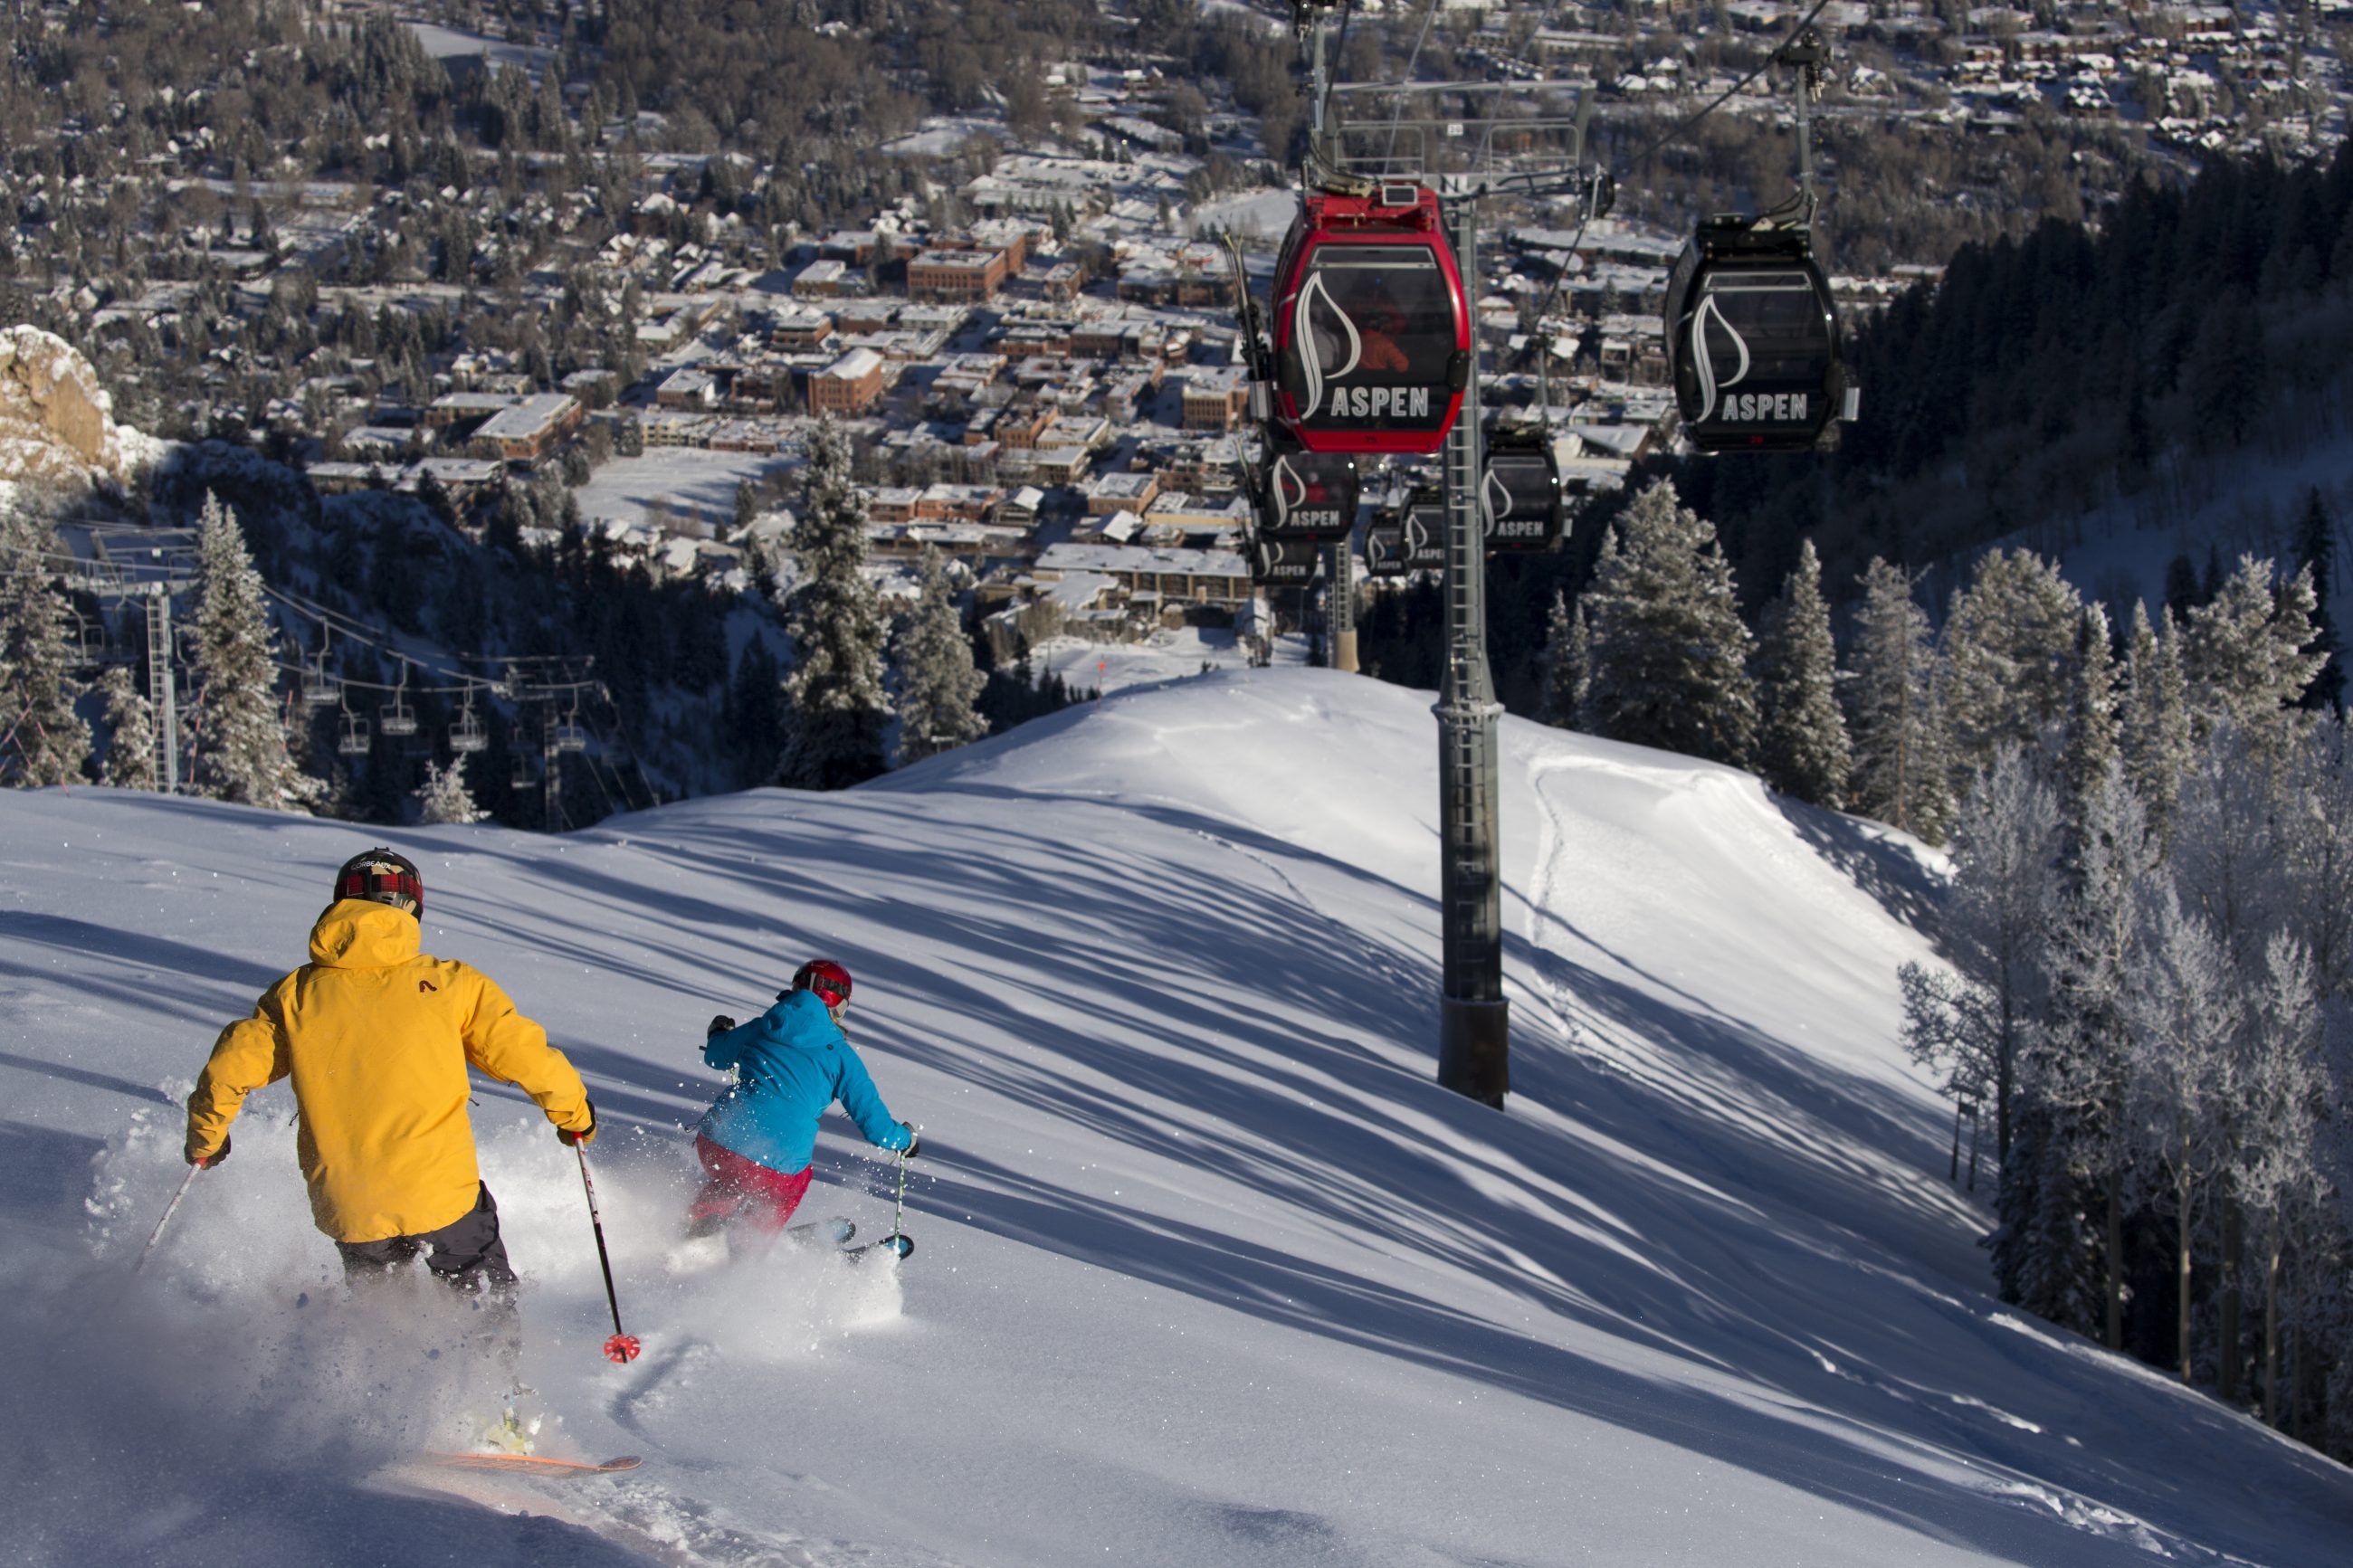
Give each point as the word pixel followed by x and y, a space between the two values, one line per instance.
pixel 525 775
pixel 467 735
pixel 1753 340
pixel 320 689
pixel 397 717
pixel 1371 333
pixel 1519 495
pixel 569 736
pixel 354 741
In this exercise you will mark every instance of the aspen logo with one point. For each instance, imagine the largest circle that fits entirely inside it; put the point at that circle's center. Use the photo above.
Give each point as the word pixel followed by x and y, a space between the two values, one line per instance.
pixel 1292 490
pixel 1764 406
pixel 1380 401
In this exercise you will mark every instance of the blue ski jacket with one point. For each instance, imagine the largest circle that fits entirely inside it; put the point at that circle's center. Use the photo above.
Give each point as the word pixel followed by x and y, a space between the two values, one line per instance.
pixel 790 1063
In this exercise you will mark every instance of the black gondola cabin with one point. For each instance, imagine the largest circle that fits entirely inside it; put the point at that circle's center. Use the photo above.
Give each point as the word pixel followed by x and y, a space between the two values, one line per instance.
pixel 1301 494
pixel 1752 340
pixel 1371 335
pixel 1284 562
pixel 1519 498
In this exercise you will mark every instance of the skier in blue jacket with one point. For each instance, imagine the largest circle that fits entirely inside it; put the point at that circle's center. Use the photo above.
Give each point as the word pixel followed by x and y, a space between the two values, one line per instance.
pixel 757 1139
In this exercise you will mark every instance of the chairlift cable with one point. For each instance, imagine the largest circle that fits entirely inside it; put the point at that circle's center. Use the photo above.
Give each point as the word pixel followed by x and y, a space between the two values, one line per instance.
pixel 1680 127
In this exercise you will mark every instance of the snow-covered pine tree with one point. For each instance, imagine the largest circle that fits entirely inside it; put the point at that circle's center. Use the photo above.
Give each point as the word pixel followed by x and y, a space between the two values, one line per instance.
pixel 130 732
pixel 2008 648
pixel 835 619
pixel 2089 738
pixel 2249 654
pixel 1565 640
pixel 2184 1006
pixel 42 741
pixel 1668 662
pixel 1899 775
pixel 1801 740
pixel 2153 720
pixel 2315 852
pixel 241 741
pixel 2315 552
pixel 444 797
pixel 937 682
pixel 2080 1065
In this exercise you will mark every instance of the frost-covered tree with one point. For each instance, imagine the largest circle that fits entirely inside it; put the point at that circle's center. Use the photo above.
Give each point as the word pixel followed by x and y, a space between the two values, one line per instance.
pixel 1801 740
pixel 130 732
pixel 1668 656
pixel 937 682
pixel 42 741
pixel 835 616
pixel 1565 660
pixel 2185 1007
pixel 2275 1166
pixel 444 797
pixel 1899 775
pixel 2153 718
pixel 2315 825
pixel 1975 1022
pixel 2249 654
pixel 241 740
pixel 2009 651
pixel 2080 1066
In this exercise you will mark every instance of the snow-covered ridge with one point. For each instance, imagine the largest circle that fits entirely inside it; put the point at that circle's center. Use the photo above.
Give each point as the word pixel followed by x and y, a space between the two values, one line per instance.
pixel 1208 1270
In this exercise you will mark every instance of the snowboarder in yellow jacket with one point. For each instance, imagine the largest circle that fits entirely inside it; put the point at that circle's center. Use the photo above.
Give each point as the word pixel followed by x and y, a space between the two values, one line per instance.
pixel 378 1038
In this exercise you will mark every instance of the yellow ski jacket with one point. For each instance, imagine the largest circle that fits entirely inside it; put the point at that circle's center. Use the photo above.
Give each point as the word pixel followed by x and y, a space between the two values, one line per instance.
pixel 378 1038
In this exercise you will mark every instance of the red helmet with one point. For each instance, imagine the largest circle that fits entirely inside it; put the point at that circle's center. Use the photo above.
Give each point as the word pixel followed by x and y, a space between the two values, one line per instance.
pixel 385 877
pixel 827 978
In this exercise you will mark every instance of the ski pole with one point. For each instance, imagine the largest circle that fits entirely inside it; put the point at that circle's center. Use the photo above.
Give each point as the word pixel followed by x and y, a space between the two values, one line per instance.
pixel 621 1347
pixel 901 1246
pixel 185 1182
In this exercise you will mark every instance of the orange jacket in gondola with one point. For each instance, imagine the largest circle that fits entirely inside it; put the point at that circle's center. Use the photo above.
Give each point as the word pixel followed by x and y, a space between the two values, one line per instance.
pixel 378 1038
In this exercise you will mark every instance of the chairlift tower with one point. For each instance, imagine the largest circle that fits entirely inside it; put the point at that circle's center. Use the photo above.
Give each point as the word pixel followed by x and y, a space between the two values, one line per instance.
pixel 1474 1017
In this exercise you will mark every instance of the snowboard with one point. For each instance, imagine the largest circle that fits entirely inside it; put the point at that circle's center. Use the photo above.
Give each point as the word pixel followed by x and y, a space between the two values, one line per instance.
pixel 533 1464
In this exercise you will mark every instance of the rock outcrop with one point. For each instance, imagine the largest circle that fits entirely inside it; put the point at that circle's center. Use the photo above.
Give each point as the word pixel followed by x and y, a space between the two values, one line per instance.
pixel 56 423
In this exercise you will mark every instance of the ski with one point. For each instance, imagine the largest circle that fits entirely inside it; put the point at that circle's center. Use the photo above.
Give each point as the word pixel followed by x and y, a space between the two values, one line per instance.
pixel 835 1229
pixel 890 1246
pixel 533 1464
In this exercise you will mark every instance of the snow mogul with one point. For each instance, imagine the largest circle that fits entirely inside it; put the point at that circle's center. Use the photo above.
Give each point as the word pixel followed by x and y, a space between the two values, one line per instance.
pixel 758 1139
pixel 378 1038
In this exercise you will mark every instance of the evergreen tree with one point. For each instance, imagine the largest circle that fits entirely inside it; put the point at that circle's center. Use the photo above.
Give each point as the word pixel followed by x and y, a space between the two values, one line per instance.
pixel 1565 657
pixel 2315 854
pixel 2090 742
pixel 2276 1170
pixel 2153 726
pixel 130 732
pixel 1802 748
pixel 1899 774
pixel 938 683
pixel 2009 656
pixel 2315 552
pixel 444 798
pixel 1668 659
pixel 240 744
pixel 42 741
pixel 2249 655
pixel 838 630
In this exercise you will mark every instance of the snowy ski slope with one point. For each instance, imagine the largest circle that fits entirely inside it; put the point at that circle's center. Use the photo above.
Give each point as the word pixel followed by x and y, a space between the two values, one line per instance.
pixel 1208 1270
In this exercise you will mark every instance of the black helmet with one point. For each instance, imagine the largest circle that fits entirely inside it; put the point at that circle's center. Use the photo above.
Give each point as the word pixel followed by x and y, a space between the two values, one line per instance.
pixel 385 877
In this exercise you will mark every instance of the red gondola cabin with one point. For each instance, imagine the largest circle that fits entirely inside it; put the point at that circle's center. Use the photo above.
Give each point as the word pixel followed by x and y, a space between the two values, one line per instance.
pixel 1372 335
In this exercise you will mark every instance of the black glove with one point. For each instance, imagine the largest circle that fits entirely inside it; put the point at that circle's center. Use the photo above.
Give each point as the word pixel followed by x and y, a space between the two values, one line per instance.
pixel 586 1135
pixel 914 1142
pixel 209 1161
pixel 719 1025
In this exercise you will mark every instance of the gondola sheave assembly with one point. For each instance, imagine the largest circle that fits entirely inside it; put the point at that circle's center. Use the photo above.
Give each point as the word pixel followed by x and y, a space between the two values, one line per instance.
pixel 1371 331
